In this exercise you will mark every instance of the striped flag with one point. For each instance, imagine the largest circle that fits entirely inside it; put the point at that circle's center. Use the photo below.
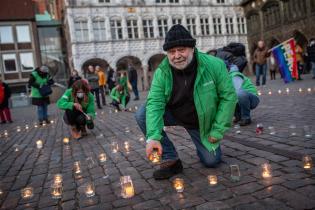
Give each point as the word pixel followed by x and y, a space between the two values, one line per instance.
pixel 285 56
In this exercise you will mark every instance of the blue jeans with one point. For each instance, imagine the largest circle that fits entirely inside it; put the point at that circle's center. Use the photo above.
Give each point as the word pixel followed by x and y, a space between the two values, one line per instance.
pixel 209 159
pixel 246 102
pixel 134 85
pixel 42 112
pixel 261 69
pixel 313 68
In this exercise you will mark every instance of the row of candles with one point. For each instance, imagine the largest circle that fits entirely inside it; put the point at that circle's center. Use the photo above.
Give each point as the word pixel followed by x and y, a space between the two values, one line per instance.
pixel 287 91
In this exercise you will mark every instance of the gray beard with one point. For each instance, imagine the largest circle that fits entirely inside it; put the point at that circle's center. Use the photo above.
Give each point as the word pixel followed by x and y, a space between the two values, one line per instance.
pixel 190 58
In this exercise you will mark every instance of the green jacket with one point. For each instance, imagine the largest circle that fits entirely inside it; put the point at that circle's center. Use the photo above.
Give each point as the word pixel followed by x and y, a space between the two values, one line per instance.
pixel 123 82
pixel 214 97
pixel 247 83
pixel 40 81
pixel 121 97
pixel 66 102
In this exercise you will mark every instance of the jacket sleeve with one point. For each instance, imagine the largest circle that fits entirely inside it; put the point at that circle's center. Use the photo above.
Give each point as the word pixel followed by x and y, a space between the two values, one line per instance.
pixel 113 94
pixel 32 82
pixel 227 102
pixel 155 107
pixel 63 102
pixel 90 110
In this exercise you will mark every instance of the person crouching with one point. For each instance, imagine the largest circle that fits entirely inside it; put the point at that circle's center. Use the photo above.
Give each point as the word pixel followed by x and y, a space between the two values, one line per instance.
pixel 119 96
pixel 79 107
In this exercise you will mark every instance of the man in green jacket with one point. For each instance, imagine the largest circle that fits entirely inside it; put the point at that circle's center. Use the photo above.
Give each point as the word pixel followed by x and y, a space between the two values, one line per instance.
pixel 119 96
pixel 190 89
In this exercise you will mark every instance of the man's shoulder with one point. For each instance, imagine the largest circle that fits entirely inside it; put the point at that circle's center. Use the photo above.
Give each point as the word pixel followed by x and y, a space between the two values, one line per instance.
pixel 209 62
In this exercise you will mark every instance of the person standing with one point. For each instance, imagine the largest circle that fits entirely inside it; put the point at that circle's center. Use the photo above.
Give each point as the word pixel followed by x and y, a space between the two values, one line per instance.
pixel 190 89
pixel 5 94
pixel 311 55
pixel 299 59
pixel 92 78
pixel 74 77
pixel 260 60
pixel 111 78
pixel 40 83
pixel 101 83
pixel 133 79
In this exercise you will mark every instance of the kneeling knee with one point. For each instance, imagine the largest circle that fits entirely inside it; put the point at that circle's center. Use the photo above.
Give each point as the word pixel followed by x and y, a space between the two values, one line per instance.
pixel 211 163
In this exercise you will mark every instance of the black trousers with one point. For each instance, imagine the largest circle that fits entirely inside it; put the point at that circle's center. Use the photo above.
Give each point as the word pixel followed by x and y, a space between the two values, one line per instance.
pixel 96 93
pixel 116 104
pixel 74 118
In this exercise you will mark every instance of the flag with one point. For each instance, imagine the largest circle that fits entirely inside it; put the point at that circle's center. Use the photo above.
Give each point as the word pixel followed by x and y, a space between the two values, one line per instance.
pixel 285 56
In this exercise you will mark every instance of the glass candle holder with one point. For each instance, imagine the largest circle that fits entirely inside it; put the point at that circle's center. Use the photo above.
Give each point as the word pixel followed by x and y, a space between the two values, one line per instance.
pixel 279 91
pixel 259 128
pixel 26 127
pixel 18 129
pixel 116 111
pixel 77 167
pixel 266 171
pixel 300 90
pixel 90 162
pixel 307 131
pixel 178 184
pixel 309 90
pixel 57 179
pixel 39 144
pixel 35 125
pixel 114 147
pixel 292 130
pixel 27 193
pixel 44 124
pixel 269 92
pixel 56 190
pixel 16 148
pixel 307 162
pixel 237 128
pixel 127 189
pixel 141 139
pixel 287 90
pixel 89 190
pixel 212 180
pixel 65 140
pixel 272 130
pixel 136 108
pixel 154 157
pixel 235 173
pixel 6 133
pixel 127 146
pixel 52 121
pixel 102 157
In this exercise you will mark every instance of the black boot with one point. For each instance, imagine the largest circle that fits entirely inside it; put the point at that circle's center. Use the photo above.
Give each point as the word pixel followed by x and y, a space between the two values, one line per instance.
pixel 245 122
pixel 168 169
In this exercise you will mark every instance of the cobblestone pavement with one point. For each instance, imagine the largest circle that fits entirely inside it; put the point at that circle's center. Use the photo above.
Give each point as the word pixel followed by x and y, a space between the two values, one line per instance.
pixel 291 187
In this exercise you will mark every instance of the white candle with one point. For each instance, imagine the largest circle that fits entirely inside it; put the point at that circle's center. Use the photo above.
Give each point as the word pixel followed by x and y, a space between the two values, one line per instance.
pixel 39 144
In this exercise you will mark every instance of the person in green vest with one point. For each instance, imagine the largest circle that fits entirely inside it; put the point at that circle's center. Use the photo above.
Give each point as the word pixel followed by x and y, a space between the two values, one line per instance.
pixel 123 81
pixel 119 96
pixel 247 96
pixel 78 103
pixel 40 79
pixel 190 89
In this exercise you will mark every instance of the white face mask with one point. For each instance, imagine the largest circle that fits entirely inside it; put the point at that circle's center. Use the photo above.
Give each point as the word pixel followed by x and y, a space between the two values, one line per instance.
pixel 80 95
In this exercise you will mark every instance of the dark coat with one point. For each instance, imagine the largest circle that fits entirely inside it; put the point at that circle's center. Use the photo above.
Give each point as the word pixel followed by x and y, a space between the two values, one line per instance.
pixel 32 83
pixel 311 53
pixel 72 79
pixel 132 75
pixel 110 81
pixel 7 95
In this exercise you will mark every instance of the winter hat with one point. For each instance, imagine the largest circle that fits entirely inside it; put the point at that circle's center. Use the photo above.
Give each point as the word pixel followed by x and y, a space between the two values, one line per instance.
pixel 178 36
pixel 44 69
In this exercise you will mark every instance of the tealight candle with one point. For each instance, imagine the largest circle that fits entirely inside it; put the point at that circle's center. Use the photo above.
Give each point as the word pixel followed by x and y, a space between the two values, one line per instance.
pixel 39 144
pixel 6 133
pixel 57 179
pixel 292 130
pixel 178 185
pixel 141 139
pixel 130 109
pixel 102 157
pixel 127 189
pixel 259 93
pixel 266 171
pixel 307 131
pixel 307 162
pixel 18 129
pixel 287 90
pixel 66 140
pixel 126 143
pixel 77 167
pixel 309 90
pixel 115 147
pixel 272 130
pixel 26 127
pixel 35 125
pixel 212 180
pixel 89 190
pixel 44 124
pixel 259 128
pixel 270 93
pixel 136 108
pixel 56 191
pixel 27 193
pixel 155 157
pixel 279 91
pixel 300 90
pixel 116 111
pixel 235 173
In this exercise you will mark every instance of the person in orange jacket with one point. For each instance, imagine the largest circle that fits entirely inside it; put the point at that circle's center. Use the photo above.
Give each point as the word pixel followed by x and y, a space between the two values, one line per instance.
pixel 102 83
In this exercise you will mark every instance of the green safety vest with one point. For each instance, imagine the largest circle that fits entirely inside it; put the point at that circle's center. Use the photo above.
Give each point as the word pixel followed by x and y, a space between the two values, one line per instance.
pixel 40 81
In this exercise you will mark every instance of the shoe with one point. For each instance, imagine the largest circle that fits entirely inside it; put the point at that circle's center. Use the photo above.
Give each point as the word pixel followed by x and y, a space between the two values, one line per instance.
pixel 40 123
pixel 168 169
pixel 136 99
pixel 83 131
pixel 47 122
pixel 99 107
pixel 313 77
pixel 236 119
pixel 10 121
pixel 3 122
pixel 245 122
pixel 75 133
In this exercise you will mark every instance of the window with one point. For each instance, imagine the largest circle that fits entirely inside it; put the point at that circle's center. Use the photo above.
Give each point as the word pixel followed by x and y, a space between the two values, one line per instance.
pixel 253 23
pixel 271 15
pixel 204 24
pixel 9 62
pixel 27 61
pixel 162 26
pixel 174 1
pixel 148 28
pixel 176 21
pixel 23 33
pixel 229 25
pixel 81 30
pixel 116 29
pixel 6 35
pixel 217 25
pixel 220 1
pixel 103 1
pixel 99 29
pixel 241 25
pixel 191 26
pixel 160 1
pixel 132 29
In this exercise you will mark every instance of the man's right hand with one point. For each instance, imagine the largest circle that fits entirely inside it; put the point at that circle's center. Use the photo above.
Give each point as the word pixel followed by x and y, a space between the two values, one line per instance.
pixel 77 106
pixel 151 145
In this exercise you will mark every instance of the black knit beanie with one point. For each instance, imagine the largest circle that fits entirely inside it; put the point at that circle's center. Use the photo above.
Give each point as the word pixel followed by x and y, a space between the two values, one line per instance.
pixel 178 36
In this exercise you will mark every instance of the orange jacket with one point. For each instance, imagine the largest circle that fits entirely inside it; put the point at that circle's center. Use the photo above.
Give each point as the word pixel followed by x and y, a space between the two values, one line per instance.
pixel 101 78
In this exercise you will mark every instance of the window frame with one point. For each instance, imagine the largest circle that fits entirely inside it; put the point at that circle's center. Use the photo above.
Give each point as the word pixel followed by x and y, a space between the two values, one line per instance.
pixel 3 63
pixel 81 22
pixel 118 30
pixel 163 28
pixel 191 25
pixel 204 26
pixel 147 28
pixel 100 30
pixel 17 34
pixel 133 27
pixel 20 61
pixel 12 35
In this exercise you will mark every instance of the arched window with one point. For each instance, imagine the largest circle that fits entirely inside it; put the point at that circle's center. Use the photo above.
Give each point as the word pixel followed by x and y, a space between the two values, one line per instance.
pixel 81 29
pixel 177 19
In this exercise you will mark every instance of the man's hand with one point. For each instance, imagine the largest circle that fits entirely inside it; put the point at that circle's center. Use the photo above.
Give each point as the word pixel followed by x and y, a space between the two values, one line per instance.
pixel 77 106
pixel 212 140
pixel 153 144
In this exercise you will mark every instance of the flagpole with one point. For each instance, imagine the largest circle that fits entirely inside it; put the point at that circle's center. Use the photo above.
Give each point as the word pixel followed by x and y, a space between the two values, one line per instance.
pixel 279 44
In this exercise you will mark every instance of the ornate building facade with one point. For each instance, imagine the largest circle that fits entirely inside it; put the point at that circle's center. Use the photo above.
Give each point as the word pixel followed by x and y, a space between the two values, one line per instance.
pixel 119 33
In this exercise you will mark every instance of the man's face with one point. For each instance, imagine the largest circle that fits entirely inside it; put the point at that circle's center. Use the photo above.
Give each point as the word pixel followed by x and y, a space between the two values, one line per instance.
pixel 180 57
pixel 91 69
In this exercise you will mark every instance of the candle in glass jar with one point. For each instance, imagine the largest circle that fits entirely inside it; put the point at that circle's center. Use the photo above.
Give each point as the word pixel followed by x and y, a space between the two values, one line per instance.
pixel 35 125
pixel 178 184
pixel 279 91
pixel 309 90
pixel 56 191
pixel 300 90
pixel 18 129
pixel 115 147
pixel 307 162
pixel 155 157
pixel 89 190
pixel 58 179
pixel 287 90
pixel 27 193
pixel 136 108
pixel 6 133
pixel 266 171
pixel 127 189
pixel 66 140
pixel 39 144
pixel 77 167
pixel 26 127
pixel 126 143
pixel 102 157
pixel 212 179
